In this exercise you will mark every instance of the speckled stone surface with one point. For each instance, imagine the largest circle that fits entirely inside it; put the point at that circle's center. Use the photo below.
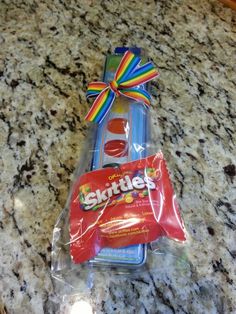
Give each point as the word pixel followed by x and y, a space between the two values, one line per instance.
pixel 49 51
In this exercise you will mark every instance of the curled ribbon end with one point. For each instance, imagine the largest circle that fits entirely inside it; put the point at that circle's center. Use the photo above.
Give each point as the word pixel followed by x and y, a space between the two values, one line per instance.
pixel 87 118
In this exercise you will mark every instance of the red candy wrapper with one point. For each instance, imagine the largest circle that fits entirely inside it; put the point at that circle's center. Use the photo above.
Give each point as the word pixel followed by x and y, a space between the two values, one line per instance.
pixel 116 207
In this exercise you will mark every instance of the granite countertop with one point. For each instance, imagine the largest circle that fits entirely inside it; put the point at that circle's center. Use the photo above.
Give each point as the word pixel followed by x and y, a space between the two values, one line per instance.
pixel 50 50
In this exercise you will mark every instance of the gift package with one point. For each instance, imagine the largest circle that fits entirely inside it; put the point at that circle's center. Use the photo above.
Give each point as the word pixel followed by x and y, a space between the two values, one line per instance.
pixel 121 203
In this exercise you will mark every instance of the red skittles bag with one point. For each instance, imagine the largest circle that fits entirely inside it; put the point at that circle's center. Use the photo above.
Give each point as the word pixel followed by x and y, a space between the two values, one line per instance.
pixel 120 206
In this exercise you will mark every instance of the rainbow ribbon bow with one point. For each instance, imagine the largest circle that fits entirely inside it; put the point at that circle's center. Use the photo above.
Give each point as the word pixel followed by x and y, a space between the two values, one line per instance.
pixel 129 75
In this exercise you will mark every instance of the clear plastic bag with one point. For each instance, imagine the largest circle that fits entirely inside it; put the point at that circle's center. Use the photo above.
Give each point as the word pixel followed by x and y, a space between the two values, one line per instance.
pixel 120 212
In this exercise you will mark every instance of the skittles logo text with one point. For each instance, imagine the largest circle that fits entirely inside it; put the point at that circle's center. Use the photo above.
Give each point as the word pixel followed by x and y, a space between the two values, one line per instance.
pixel 92 199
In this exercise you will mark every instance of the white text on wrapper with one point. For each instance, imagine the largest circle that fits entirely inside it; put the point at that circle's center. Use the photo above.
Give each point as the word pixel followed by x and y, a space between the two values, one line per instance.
pixel 123 185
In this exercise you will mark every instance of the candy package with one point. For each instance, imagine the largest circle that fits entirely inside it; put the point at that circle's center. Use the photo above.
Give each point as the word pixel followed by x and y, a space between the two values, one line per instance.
pixel 115 207
pixel 121 203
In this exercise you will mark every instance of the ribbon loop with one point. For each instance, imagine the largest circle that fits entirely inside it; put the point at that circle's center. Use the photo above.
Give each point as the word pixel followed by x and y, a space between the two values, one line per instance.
pixel 129 75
